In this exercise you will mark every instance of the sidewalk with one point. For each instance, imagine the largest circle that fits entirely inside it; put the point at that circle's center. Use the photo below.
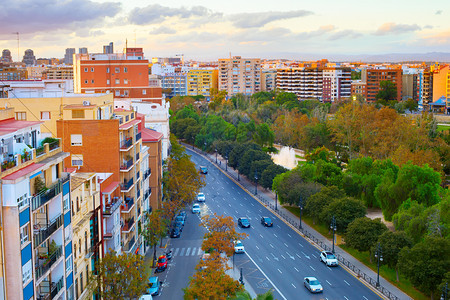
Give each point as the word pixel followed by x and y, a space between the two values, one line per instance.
pixel 267 198
pixel 236 274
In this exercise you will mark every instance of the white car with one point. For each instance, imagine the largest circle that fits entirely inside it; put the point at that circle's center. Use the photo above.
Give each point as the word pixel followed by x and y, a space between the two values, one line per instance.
pixel 238 247
pixel 328 258
pixel 201 197
pixel 195 208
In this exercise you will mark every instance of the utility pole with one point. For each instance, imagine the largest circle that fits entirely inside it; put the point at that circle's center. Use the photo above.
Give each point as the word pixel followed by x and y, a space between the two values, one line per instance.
pixel 18 46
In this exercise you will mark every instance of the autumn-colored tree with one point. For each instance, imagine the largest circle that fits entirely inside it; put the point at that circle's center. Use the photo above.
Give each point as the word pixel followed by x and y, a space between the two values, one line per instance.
pixel 155 230
pixel 120 276
pixel 178 102
pixel 288 128
pixel 217 98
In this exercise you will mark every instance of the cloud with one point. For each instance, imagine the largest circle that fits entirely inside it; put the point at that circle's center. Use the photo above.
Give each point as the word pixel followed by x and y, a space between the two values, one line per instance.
pixel 348 34
pixel 155 13
pixel 258 35
pixel 315 33
pixel 438 12
pixel 30 16
pixel 392 28
pixel 163 30
pixel 249 20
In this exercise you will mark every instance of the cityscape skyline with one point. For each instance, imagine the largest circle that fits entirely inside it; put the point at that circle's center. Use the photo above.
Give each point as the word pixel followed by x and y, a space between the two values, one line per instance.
pixel 211 30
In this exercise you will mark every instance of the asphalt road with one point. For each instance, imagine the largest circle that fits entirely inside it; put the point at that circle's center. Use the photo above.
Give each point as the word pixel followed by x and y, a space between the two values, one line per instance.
pixel 276 258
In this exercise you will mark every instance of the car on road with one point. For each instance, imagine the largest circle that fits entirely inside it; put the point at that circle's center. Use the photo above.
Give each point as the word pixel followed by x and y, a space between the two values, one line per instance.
pixel 201 197
pixel 182 213
pixel 203 170
pixel 244 222
pixel 312 284
pixel 154 286
pixel 146 297
pixel 196 208
pixel 328 258
pixel 162 263
pixel 266 221
pixel 180 219
pixel 175 232
pixel 238 247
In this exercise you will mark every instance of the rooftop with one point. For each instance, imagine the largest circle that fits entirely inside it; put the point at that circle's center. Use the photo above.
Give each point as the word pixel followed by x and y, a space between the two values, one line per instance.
pixel 150 135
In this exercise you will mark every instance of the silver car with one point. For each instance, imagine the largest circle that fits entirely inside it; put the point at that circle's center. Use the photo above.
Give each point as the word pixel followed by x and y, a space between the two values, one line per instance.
pixel 313 285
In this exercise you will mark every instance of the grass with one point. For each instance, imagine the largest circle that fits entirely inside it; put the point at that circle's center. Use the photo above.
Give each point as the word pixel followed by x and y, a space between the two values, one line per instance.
pixel 443 127
pixel 386 272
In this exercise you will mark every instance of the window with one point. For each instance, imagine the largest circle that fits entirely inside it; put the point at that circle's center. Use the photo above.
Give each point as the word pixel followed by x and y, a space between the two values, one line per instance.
pixel 125 93
pixel 24 234
pixel 92 69
pixel 75 251
pixel 45 115
pixel 81 282
pixel 107 81
pixel 66 202
pixel 76 288
pixel 117 92
pixel 144 92
pixel 92 81
pixel 87 274
pixel 78 209
pixel 73 210
pixel 85 69
pixel 77 160
pixel 117 70
pixel 125 69
pixel 125 81
pixel 77 114
pixel 23 201
pixel 107 70
pixel 26 272
pixel 86 242
pixel 69 264
pixel 21 116
pixel 86 81
pixel 117 81
pixel 76 139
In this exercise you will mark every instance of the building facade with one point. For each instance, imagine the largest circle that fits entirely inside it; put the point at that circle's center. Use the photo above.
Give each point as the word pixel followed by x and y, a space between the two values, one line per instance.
pixel 29 59
pixel 305 82
pixel 336 84
pixel 68 56
pixel 176 83
pixel 374 77
pixel 268 80
pixel 240 75
pixel 201 81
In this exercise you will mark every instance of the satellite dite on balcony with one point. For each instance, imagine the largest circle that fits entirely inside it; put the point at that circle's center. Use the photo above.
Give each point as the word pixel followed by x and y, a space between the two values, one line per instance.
pixel 86 103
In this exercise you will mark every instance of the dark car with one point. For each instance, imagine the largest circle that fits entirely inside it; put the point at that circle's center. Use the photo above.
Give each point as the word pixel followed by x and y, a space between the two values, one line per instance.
pixel 266 221
pixel 182 213
pixel 175 232
pixel 180 219
pixel 203 170
pixel 244 222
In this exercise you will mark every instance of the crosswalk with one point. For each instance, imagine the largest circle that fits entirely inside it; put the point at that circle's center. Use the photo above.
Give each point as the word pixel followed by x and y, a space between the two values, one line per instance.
pixel 187 251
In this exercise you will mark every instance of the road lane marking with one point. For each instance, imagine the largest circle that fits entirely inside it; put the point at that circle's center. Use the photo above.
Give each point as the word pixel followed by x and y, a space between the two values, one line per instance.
pixel 240 203
pixel 296 269
pixel 274 257
pixel 267 258
pixel 328 282
pixel 278 226
pixel 257 247
pixel 260 235
pixel 347 282
pixel 275 235
pixel 345 297
pixel 293 285
pixel 182 251
pixel 228 193
pixel 313 255
pixel 292 257
pixel 306 255
pixel 298 255
pixel 282 256
pixel 188 250
pixel 329 268
pixel 176 251
pixel 312 268
pixel 272 246
pixel 280 271
pixel 199 251
pixel 193 251
pixel 300 245
pixel 365 297
pixel 229 204
pixel 286 245
pixel 289 235
pixel 252 204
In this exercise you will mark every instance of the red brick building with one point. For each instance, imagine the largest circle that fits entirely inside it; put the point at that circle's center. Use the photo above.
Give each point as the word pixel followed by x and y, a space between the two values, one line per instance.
pixel 373 77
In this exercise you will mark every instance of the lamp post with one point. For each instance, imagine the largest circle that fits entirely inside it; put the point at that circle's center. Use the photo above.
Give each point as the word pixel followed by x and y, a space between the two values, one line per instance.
pixel 204 150
pixel 256 182
pixel 276 200
pixel 379 257
pixel 444 295
pixel 216 154
pixel 237 167
pixel 333 228
pixel 241 278
pixel 226 162
pixel 300 205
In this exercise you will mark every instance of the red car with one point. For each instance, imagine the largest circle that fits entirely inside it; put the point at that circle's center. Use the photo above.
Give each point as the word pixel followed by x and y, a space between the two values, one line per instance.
pixel 162 263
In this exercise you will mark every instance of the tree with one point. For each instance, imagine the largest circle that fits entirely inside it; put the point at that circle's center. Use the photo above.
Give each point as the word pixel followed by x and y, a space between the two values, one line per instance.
pixel 269 174
pixel 316 204
pixel 363 233
pixel 248 157
pixel 426 263
pixel 345 210
pixel 120 276
pixel 411 105
pixel 244 295
pixel 387 92
pixel 263 135
pixel 391 244
pixel 155 229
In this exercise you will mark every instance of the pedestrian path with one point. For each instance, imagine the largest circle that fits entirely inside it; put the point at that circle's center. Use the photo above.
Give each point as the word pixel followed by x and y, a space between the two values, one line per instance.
pixel 187 251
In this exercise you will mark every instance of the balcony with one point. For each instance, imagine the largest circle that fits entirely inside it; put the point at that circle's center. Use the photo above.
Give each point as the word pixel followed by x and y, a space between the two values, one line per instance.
pixel 45 263
pixel 128 204
pixel 45 196
pixel 8 163
pixel 89 252
pixel 49 290
pixel 138 137
pixel 126 186
pixel 138 193
pixel 126 165
pixel 126 143
pixel 138 175
pixel 41 234
pixel 147 193
pixel 110 208
pixel 128 225
pixel 137 156
pixel 129 246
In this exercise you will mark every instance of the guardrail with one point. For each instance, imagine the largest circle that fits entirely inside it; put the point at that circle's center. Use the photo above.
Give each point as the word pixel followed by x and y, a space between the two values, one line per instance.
pixel 250 187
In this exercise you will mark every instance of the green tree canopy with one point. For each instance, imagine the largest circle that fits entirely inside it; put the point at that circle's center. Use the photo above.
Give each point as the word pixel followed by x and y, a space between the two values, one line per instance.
pixel 363 233
pixel 345 210
pixel 387 93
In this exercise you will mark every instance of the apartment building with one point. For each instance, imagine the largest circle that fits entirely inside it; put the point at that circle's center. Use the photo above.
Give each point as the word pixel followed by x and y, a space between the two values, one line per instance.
pixel 201 81
pixel 35 72
pixel 305 82
pixel 36 213
pixel 58 72
pixel 336 84
pixel 12 73
pixel 373 78
pixel 240 75
pixel 176 83
pixel 268 80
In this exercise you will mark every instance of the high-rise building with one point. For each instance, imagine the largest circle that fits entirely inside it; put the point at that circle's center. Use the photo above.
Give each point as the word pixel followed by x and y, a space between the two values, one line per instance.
pixel 240 75
pixel 373 78
pixel 29 59
pixel 83 50
pixel 201 81
pixel 68 56
pixel 58 72
pixel 305 82
pixel 268 80
pixel 6 56
pixel 12 73
pixel 108 49
pixel 336 84
pixel 359 88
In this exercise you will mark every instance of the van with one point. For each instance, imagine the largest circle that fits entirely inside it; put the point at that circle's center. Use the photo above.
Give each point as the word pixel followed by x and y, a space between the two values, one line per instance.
pixel 146 297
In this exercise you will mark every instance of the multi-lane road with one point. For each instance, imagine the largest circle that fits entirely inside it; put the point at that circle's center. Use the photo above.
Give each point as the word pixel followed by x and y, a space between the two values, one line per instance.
pixel 276 258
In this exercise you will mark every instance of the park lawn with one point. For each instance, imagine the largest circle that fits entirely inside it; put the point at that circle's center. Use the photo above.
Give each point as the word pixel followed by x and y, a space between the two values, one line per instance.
pixel 442 128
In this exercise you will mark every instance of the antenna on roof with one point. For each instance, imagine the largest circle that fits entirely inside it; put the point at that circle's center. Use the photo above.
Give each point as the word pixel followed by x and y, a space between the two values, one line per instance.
pixel 18 46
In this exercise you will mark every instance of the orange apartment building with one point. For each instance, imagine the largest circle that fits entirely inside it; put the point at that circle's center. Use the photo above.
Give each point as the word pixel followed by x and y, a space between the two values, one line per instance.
pixel 123 74
pixel 373 77
pixel 359 88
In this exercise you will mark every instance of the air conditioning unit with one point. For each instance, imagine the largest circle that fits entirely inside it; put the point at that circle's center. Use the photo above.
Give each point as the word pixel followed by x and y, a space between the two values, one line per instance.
pixel 86 103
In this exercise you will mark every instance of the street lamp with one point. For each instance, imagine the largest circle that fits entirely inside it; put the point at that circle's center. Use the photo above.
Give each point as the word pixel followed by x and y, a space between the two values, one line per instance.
pixel 276 200
pixel 241 278
pixel 444 295
pixel 237 167
pixel 216 154
pixel 333 228
pixel 379 257
pixel 226 162
pixel 256 182
pixel 300 205
pixel 204 150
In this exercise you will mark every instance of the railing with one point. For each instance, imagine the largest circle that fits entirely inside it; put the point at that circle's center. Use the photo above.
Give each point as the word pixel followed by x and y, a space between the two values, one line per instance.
pixel 147 173
pixel 138 174
pixel 126 185
pixel 53 145
pixel 250 187
pixel 89 252
pixel 41 269
pixel 126 143
pixel 138 136
pixel 130 245
pixel 40 151
pixel 26 156
pixel 43 234
pixel 128 204
pixel 9 163
pixel 138 193
pixel 128 224
pixel 111 207
pixel 57 287
pixel 46 196
pixel 137 156
pixel 128 164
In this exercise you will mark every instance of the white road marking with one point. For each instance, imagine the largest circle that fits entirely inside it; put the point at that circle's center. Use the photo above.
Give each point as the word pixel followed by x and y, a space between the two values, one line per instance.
pixel 280 271
pixel 300 245
pixel 312 268
pixel 260 235
pixel 278 226
pixel 257 247
pixel 345 297
pixel 239 193
pixel 228 193
pixel 282 256
pixel 252 204
pixel 293 285
pixel 199 251
pixel 182 251
pixel 176 251
pixel 267 258
pixel 193 251
pixel 346 282
pixel 329 268
pixel 271 246
pixel 365 297
pixel 286 245
pixel 275 235
pixel 289 235
pixel 290 255
pixel 328 282
pixel 313 255
pixel 298 255
pixel 296 269
pixel 229 204
pixel 236 211
pixel 240 203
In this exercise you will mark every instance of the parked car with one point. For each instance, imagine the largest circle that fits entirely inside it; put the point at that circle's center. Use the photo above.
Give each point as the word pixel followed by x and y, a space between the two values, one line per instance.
pixel 201 197
pixel 169 255
pixel 203 170
pixel 244 222
pixel 328 258
pixel 146 297
pixel 182 213
pixel 161 264
pixel 238 247
pixel 180 219
pixel 154 286
pixel 312 284
pixel 195 208
pixel 266 221
pixel 175 232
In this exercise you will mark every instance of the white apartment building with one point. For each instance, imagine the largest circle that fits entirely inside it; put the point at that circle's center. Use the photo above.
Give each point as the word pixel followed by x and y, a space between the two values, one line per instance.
pixel 240 75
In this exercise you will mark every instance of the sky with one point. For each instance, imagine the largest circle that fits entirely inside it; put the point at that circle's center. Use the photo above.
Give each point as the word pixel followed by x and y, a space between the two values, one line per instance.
pixel 208 30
